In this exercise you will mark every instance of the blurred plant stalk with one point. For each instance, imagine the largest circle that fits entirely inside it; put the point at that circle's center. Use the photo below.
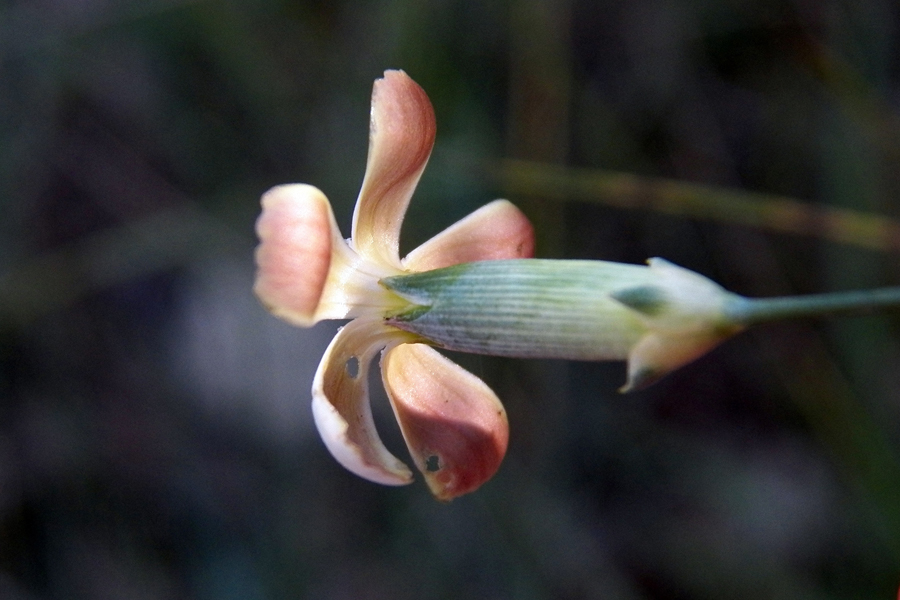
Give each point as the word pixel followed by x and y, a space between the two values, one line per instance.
pixel 697 201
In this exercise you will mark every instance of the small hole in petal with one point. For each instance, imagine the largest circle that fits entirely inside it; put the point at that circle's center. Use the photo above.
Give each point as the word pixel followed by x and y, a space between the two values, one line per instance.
pixel 433 463
pixel 352 366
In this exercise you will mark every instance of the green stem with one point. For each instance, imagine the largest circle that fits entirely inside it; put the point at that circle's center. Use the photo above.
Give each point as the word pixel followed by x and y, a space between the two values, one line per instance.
pixel 750 311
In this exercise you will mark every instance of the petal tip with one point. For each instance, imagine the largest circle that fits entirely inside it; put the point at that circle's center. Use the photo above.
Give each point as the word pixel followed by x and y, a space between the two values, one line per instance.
pixel 496 231
pixel 402 133
pixel 333 429
pixel 453 423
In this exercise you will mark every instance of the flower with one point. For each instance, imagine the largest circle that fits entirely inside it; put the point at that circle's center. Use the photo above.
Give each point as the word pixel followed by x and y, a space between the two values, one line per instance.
pixel 454 426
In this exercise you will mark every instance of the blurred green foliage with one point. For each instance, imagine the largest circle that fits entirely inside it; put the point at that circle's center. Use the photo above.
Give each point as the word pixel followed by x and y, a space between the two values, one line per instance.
pixel 155 439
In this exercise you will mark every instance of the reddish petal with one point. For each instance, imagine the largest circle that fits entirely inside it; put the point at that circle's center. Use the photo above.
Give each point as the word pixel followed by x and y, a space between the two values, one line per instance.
pixel 400 142
pixel 294 255
pixel 341 406
pixel 495 231
pixel 454 424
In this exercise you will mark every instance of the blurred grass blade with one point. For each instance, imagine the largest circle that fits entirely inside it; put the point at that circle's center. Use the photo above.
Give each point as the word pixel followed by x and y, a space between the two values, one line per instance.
pixel 696 201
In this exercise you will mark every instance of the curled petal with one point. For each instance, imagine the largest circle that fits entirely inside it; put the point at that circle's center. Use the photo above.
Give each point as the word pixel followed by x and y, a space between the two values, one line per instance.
pixel 454 424
pixel 306 272
pixel 296 229
pixel 341 406
pixel 495 231
pixel 400 141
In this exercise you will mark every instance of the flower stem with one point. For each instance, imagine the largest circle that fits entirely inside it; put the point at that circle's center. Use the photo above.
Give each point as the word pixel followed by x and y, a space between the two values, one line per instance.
pixel 750 311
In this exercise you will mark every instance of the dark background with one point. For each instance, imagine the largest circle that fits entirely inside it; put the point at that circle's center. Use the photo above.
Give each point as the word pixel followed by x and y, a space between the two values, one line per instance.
pixel 155 434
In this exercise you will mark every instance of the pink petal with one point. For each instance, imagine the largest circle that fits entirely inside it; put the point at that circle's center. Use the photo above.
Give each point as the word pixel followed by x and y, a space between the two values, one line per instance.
pixel 341 406
pixel 454 424
pixel 294 255
pixel 495 231
pixel 400 142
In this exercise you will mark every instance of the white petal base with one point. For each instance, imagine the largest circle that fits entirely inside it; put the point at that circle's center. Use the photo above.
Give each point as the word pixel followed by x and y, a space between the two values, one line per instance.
pixel 341 407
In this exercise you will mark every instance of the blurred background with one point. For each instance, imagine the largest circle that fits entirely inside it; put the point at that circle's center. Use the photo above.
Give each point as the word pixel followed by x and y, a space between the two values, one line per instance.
pixel 156 440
